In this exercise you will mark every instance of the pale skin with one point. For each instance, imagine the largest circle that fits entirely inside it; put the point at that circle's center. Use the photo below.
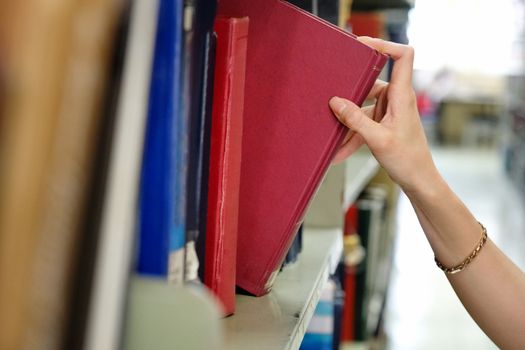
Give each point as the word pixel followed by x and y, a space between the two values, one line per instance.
pixel 491 287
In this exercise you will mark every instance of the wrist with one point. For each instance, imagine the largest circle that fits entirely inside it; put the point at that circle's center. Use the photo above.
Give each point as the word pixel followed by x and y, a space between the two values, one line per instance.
pixel 425 185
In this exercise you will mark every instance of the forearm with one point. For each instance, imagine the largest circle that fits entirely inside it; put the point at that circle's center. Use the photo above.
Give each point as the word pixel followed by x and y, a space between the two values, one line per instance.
pixel 491 288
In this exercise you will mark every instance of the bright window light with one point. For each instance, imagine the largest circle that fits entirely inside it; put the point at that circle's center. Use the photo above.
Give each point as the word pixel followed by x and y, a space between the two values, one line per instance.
pixel 476 36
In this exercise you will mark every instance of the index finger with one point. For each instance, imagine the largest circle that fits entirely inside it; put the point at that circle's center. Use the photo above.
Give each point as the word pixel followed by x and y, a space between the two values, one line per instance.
pixel 402 55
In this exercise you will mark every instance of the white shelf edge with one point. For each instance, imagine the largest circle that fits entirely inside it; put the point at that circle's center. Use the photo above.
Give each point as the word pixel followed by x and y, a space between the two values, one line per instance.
pixel 280 319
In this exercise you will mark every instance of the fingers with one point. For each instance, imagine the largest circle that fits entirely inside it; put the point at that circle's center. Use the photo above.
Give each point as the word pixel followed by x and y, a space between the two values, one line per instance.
pixel 353 117
pixel 403 56
pixel 379 85
pixel 353 144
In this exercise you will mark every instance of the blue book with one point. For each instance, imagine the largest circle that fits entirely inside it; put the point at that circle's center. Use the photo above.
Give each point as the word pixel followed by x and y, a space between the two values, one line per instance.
pixel 162 202
pixel 320 332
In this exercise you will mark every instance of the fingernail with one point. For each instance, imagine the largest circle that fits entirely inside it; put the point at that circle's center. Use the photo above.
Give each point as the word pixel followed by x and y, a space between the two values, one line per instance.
pixel 338 104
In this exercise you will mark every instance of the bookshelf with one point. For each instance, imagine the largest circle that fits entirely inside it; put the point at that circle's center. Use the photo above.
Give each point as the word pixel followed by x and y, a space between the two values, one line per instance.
pixel 111 300
pixel 279 319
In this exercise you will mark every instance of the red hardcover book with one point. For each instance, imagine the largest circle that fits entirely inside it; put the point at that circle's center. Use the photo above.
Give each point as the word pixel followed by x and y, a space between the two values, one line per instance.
pixel 349 281
pixel 225 159
pixel 295 63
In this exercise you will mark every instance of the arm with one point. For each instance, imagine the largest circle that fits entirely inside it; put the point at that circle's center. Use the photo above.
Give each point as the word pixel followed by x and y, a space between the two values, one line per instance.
pixel 491 287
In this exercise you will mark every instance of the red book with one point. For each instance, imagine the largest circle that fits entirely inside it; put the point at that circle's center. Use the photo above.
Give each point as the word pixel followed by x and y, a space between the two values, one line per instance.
pixel 295 63
pixel 348 318
pixel 367 23
pixel 225 159
pixel 349 281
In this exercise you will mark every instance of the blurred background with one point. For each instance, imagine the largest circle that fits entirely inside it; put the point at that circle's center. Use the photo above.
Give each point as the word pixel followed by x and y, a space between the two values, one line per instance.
pixel 469 81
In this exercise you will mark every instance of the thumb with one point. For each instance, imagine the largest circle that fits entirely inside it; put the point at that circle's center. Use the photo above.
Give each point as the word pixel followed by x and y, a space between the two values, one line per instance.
pixel 354 118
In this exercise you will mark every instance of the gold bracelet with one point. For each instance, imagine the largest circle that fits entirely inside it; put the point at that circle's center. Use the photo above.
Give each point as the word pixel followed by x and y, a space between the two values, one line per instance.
pixel 464 263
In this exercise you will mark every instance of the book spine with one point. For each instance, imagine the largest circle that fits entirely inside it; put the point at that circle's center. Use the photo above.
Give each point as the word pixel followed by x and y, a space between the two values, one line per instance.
pixel 369 78
pixel 159 177
pixel 225 160
pixel 198 43
pixel 114 254
pixel 205 134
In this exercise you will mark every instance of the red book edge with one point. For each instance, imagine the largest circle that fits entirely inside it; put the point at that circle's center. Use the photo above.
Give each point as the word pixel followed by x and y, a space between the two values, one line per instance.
pixel 348 317
pixel 225 159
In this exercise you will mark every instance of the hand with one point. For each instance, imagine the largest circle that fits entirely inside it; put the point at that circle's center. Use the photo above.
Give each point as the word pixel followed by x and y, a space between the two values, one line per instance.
pixel 391 127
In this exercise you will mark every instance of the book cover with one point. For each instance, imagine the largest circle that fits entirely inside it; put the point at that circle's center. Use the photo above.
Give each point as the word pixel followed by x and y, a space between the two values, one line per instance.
pixel 162 203
pixel 295 63
pixel 225 159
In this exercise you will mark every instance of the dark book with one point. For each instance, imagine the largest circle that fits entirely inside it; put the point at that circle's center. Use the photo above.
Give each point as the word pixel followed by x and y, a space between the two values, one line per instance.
pixel 378 5
pixel 339 300
pixel 199 53
pixel 295 249
pixel 307 5
pixel 329 10
pixel 369 231
pixel 204 151
pixel 225 160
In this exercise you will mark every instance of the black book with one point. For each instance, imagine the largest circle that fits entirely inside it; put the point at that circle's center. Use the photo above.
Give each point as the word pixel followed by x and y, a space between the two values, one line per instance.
pixel 295 248
pixel 199 53
pixel 369 230
pixel 328 10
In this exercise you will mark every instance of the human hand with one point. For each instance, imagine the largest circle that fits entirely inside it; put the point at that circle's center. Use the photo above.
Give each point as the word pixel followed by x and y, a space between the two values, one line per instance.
pixel 391 127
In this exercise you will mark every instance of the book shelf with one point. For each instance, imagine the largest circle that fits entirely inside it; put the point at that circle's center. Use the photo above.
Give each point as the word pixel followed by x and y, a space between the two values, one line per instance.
pixel 108 308
pixel 279 319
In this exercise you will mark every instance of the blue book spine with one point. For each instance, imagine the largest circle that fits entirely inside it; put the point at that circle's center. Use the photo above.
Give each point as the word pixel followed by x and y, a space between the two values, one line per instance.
pixel 320 332
pixel 162 190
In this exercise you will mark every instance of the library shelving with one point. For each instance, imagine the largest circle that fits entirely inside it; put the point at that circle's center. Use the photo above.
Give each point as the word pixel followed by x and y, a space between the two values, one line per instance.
pixel 105 303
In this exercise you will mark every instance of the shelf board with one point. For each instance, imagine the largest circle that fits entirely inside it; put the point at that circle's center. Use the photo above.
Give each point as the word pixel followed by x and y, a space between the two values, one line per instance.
pixel 163 316
pixel 279 319
pixel 360 168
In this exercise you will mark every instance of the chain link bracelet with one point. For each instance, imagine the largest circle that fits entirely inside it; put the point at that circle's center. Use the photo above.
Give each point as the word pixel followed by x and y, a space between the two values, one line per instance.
pixel 461 266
